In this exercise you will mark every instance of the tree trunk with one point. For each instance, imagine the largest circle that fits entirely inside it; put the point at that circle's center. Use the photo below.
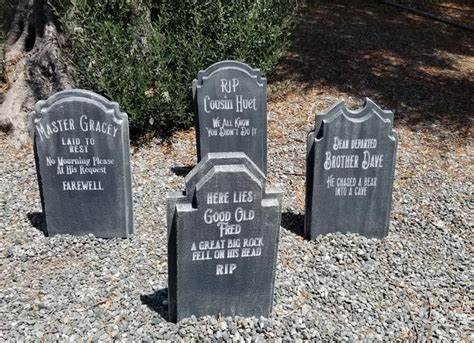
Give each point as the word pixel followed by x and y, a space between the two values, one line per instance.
pixel 33 69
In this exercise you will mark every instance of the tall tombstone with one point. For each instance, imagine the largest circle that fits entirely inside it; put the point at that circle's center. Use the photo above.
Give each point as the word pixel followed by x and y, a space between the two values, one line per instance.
pixel 230 101
pixel 82 158
pixel 223 240
pixel 350 171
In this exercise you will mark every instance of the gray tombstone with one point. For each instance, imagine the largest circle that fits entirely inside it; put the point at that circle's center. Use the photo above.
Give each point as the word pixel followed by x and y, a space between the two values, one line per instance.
pixel 231 111
pixel 350 171
pixel 223 240
pixel 83 164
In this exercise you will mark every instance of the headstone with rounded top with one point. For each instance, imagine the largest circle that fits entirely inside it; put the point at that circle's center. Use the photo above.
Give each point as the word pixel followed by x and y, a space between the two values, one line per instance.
pixel 231 111
pixel 82 158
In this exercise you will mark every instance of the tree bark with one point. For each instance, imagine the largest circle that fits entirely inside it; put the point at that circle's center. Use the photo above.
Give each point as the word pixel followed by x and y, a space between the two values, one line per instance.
pixel 33 68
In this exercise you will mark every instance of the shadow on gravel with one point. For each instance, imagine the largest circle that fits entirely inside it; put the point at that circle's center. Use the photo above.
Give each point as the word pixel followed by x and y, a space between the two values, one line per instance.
pixel 37 220
pixel 293 222
pixel 404 62
pixel 157 302
pixel 182 170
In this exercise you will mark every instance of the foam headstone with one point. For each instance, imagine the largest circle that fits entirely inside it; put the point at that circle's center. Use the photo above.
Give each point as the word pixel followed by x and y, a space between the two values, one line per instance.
pixel 83 164
pixel 223 240
pixel 231 111
pixel 350 171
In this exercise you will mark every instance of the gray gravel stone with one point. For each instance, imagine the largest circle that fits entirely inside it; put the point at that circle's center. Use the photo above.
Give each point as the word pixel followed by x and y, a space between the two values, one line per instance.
pixel 413 285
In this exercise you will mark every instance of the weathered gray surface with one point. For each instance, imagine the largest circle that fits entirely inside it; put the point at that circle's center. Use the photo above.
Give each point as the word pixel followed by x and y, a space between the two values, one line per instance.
pixel 231 111
pixel 223 240
pixel 350 171
pixel 83 162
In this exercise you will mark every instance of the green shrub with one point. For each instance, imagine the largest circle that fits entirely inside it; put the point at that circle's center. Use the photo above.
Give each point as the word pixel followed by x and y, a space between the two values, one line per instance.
pixel 144 54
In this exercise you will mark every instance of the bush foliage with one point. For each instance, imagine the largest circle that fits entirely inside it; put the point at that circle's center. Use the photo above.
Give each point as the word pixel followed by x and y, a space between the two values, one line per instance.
pixel 144 54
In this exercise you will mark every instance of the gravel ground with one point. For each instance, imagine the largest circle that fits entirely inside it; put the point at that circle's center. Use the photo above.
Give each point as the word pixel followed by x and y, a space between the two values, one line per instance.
pixel 415 284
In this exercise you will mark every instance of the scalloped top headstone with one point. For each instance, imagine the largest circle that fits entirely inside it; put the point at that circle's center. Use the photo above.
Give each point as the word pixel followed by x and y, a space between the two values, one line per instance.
pixel 83 164
pixel 231 111
pixel 222 240
pixel 350 170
